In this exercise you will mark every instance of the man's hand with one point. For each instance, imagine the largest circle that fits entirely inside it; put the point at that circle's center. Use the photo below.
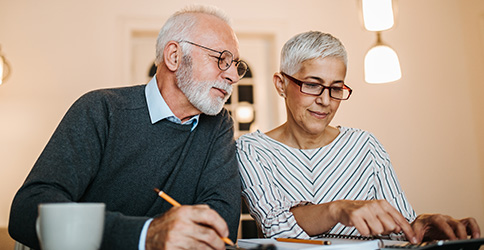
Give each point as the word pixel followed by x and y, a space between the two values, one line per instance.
pixel 439 227
pixel 372 217
pixel 187 227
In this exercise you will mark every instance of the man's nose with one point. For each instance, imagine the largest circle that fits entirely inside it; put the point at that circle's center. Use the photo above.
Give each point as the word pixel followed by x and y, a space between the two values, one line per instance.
pixel 232 74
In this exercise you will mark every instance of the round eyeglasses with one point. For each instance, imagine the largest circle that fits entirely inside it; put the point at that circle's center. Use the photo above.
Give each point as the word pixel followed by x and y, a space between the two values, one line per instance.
pixel 316 89
pixel 225 60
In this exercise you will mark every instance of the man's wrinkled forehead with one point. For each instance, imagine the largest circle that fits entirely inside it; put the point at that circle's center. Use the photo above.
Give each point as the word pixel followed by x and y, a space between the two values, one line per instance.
pixel 216 33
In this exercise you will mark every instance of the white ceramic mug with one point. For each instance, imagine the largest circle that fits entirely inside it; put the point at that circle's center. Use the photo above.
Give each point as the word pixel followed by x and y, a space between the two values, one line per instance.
pixel 73 226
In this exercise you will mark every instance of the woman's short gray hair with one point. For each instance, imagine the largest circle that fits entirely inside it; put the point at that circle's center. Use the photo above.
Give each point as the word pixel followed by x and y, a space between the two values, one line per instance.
pixel 180 27
pixel 310 45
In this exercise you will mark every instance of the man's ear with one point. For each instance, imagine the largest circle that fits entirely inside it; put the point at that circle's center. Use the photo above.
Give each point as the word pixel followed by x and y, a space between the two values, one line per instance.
pixel 278 81
pixel 172 55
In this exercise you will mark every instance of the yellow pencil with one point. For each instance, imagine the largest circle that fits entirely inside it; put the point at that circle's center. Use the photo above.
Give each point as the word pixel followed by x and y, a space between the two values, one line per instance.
pixel 176 204
pixel 318 242
pixel 167 198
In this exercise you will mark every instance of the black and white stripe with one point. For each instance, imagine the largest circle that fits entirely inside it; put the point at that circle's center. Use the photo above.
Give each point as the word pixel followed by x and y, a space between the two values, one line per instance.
pixel 276 177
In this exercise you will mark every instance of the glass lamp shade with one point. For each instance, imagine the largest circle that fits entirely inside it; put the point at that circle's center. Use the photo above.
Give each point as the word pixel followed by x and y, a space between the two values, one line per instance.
pixel 382 65
pixel 377 14
pixel 4 69
pixel 1 70
pixel 244 113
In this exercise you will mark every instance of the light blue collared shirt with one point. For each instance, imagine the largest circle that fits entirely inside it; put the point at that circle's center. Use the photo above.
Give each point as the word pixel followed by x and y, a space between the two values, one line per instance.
pixel 159 110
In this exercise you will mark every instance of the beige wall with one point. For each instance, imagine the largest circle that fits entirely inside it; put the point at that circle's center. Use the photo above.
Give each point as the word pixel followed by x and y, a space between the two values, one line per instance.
pixel 429 121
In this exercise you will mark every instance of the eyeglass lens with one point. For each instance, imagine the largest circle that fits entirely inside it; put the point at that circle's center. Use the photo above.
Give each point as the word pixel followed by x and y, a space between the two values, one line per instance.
pixel 317 89
pixel 225 60
pixel 242 68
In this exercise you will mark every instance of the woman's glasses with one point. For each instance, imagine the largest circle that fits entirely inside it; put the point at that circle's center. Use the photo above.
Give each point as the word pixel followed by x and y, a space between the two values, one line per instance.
pixel 316 89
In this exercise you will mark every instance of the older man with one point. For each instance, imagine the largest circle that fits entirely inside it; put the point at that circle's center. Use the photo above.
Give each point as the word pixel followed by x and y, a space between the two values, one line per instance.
pixel 116 145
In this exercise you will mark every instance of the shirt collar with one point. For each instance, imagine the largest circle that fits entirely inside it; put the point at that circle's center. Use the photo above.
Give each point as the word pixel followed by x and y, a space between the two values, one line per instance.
pixel 158 108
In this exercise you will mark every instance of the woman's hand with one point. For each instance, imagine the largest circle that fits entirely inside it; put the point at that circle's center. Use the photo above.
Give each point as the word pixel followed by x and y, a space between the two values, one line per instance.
pixel 372 217
pixel 438 227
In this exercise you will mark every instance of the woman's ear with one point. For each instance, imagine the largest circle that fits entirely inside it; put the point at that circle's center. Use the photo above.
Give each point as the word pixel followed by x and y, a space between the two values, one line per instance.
pixel 278 81
pixel 172 55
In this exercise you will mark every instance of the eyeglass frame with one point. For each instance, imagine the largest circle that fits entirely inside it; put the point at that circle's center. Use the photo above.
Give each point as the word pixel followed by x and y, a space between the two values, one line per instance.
pixel 300 84
pixel 237 62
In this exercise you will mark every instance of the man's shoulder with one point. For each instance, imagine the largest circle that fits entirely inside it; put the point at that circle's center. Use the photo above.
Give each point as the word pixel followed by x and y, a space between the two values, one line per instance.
pixel 212 127
pixel 121 97
pixel 118 92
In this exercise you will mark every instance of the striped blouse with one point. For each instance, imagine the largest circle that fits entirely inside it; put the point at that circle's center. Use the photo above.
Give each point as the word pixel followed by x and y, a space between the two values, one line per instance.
pixel 276 177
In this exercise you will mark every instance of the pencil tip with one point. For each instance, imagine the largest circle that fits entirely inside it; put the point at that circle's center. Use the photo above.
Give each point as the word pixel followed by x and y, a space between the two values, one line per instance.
pixel 157 190
pixel 228 241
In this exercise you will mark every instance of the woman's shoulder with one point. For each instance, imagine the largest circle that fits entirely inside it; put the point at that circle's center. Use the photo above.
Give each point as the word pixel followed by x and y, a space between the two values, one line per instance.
pixel 255 139
pixel 362 136
pixel 349 130
pixel 358 132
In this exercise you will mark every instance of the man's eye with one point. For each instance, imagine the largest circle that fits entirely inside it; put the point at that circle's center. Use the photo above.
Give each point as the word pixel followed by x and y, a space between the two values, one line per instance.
pixel 224 57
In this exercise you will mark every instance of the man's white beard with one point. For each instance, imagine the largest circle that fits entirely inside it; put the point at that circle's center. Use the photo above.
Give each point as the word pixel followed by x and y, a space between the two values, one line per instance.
pixel 198 92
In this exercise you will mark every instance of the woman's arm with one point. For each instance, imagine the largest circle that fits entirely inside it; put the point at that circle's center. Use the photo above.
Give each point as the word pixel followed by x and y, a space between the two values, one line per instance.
pixel 267 204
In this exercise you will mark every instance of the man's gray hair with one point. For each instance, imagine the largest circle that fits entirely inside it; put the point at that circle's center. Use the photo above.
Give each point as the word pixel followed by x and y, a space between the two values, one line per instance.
pixel 310 45
pixel 180 27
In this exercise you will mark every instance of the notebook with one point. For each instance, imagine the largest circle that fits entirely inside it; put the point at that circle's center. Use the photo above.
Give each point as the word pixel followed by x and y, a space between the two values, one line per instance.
pixel 468 244
pixel 398 241
pixel 361 242
pixel 335 244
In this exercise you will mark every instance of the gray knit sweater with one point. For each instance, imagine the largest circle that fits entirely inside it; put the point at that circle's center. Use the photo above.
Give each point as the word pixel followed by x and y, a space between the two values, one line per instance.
pixel 106 150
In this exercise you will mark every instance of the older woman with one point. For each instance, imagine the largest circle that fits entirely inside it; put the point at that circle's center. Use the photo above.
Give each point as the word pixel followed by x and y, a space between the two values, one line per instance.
pixel 306 178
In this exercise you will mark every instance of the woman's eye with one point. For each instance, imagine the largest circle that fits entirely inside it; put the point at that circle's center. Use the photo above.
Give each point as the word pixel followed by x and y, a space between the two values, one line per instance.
pixel 312 85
